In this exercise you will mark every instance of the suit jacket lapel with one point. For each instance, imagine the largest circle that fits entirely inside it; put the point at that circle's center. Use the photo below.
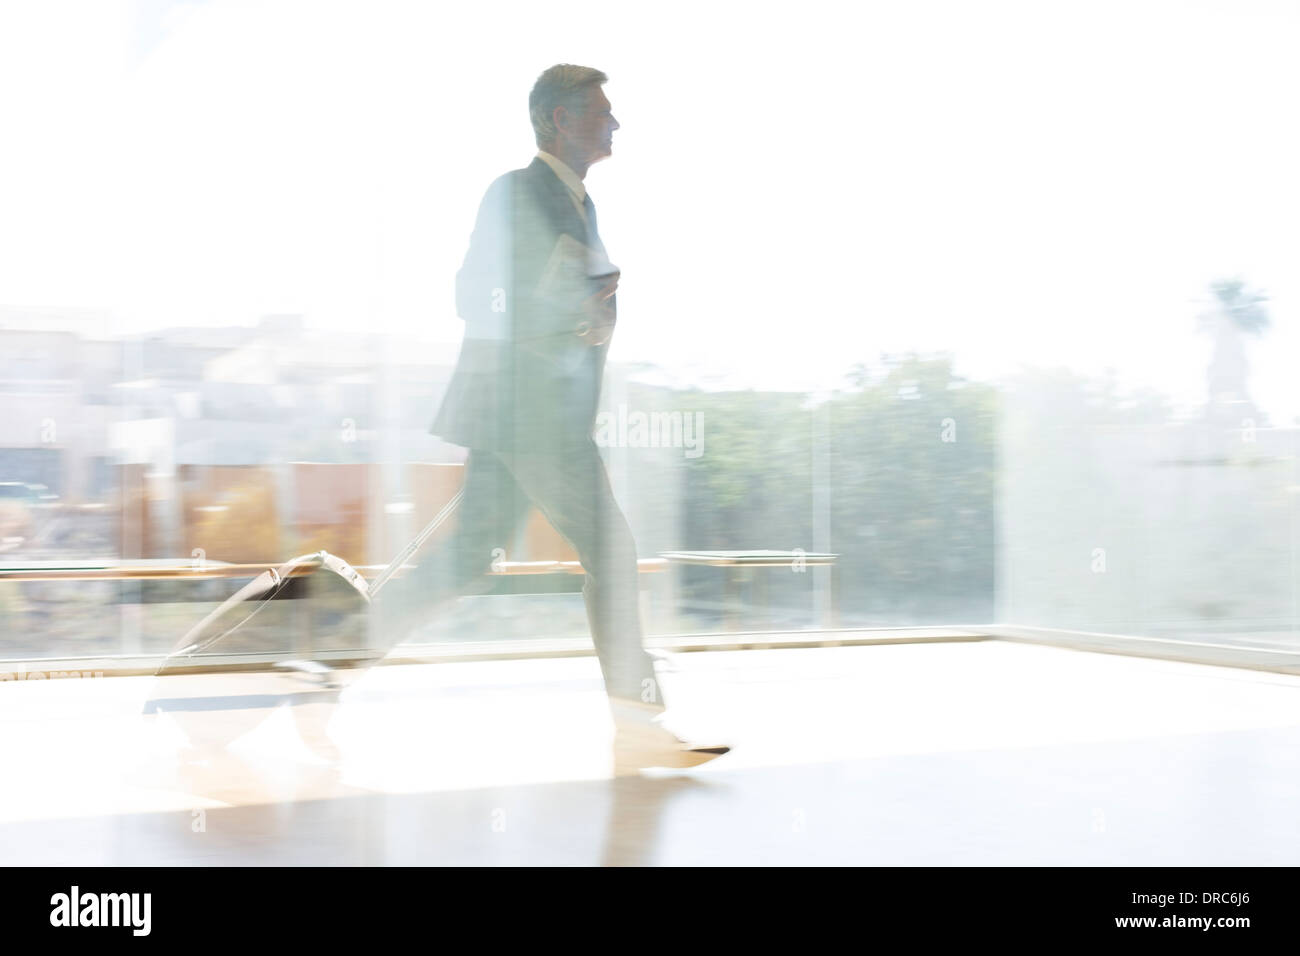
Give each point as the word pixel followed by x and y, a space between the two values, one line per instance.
pixel 558 202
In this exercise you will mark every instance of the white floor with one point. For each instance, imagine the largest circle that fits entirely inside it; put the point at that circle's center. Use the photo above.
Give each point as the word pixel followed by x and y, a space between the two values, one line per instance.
pixel 963 753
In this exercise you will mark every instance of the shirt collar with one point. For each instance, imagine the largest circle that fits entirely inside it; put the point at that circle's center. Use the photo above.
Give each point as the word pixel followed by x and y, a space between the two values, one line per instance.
pixel 565 174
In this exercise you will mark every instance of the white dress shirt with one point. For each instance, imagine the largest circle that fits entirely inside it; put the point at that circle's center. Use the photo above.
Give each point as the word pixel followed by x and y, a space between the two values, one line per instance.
pixel 577 191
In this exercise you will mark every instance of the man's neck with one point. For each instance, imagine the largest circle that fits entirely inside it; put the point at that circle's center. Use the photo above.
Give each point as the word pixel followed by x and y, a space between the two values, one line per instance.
pixel 576 164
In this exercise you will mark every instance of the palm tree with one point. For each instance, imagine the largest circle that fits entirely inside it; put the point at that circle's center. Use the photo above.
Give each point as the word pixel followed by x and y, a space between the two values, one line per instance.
pixel 1235 312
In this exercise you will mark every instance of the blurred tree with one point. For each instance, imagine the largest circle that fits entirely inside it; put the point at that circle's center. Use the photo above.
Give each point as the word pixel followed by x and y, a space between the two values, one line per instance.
pixel 910 486
pixel 1243 308
pixel 912 494
pixel 751 487
pixel 1236 311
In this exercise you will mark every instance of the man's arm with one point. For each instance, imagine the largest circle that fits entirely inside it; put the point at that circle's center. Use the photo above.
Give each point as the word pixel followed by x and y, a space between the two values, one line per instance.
pixel 483 284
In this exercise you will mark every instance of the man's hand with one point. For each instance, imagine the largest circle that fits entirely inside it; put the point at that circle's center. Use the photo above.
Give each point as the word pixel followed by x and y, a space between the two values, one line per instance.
pixel 598 327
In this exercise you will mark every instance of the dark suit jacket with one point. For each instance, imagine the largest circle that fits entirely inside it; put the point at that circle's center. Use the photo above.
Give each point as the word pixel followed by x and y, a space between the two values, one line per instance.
pixel 524 381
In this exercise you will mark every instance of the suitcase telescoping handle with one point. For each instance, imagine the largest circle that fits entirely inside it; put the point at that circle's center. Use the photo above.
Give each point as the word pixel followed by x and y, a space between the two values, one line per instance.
pixel 416 543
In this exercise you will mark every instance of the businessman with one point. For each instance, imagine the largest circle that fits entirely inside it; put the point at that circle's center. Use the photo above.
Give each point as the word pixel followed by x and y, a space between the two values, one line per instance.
pixel 537 293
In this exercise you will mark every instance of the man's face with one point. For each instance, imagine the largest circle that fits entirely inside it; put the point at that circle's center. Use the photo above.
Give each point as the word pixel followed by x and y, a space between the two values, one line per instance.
pixel 591 126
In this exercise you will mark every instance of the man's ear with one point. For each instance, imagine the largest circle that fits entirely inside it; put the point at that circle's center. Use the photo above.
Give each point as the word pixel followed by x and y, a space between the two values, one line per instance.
pixel 560 117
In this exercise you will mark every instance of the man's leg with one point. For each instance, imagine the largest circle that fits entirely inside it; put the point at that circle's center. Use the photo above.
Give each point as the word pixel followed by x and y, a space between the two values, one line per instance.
pixel 572 490
pixel 444 569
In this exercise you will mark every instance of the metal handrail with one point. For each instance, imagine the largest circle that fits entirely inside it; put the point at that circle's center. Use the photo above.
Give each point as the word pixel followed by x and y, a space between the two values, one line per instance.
pixel 159 569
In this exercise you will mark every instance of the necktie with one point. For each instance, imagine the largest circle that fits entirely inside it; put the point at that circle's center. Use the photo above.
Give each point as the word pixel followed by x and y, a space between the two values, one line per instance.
pixel 593 235
pixel 590 208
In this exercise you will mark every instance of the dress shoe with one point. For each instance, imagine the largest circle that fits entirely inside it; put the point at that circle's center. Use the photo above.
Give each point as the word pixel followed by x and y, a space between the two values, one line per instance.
pixel 644 735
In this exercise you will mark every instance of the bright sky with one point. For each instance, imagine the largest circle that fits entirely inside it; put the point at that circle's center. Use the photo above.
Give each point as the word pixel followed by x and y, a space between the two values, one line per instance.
pixel 796 188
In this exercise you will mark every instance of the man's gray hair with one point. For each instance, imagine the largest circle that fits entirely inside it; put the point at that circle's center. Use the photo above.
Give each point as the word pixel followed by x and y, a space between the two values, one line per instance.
pixel 562 85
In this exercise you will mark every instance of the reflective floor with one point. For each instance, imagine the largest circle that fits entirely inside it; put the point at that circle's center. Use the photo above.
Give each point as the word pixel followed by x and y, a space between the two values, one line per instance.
pixel 963 753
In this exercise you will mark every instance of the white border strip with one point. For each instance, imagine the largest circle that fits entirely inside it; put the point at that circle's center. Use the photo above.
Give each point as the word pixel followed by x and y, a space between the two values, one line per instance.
pixel 1163 648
